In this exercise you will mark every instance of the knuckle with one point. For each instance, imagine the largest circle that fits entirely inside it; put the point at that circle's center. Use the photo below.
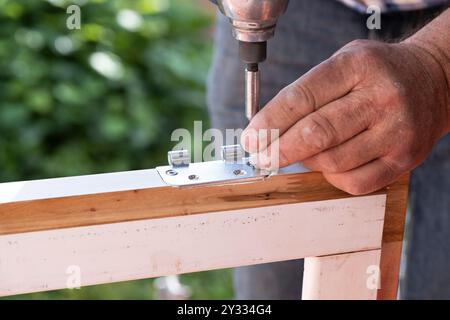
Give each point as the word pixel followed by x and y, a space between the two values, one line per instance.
pixel 400 163
pixel 318 133
pixel 343 57
pixel 392 165
pixel 367 60
pixel 366 53
pixel 358 48
pixel 356 58
pixel 396 93
pixel 263 120
pixel 357 43
pixel 298 94
pixel 364 111
pixel 406 153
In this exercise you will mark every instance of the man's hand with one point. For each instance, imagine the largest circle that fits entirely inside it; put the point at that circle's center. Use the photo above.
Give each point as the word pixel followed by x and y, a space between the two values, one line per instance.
pixel 363 117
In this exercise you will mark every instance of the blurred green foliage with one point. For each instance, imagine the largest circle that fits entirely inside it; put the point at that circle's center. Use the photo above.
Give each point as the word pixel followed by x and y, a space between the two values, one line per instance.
pixel 102 98
pixel 204 286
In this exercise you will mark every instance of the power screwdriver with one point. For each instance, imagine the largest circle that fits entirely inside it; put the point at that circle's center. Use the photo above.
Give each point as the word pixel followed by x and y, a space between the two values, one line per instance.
pixel 253 23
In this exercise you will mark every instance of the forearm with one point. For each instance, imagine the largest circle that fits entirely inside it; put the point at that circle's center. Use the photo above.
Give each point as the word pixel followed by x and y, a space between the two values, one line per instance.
pixel 434 40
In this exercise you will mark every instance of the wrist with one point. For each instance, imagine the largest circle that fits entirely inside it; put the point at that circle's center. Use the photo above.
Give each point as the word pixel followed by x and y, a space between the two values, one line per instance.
pixel 433 62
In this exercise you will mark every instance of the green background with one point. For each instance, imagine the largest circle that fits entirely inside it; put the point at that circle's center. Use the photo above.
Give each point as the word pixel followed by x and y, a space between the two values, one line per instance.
pixel 62 114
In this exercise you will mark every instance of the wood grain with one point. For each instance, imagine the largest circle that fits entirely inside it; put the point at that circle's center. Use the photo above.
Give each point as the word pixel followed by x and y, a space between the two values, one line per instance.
pixel 349 276
pixel 393 231
pixel 129 205
pixel 396 203
pixel 45 260
pixel 390 269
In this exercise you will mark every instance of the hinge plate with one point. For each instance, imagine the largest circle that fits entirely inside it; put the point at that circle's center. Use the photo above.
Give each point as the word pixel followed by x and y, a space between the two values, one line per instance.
pixel 234 168
pixel 210 172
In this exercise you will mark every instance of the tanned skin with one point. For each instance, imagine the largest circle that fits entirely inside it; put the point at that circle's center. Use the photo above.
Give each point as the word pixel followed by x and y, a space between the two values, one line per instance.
pixel 368 114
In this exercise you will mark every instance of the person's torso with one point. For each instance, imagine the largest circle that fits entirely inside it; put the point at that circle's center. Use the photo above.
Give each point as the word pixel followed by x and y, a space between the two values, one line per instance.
pixel 392 5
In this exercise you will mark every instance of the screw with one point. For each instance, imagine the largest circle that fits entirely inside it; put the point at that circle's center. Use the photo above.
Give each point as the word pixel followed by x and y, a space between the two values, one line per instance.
pixel 251 165
pixel 171 172
pixel 239 172
pixel 193 177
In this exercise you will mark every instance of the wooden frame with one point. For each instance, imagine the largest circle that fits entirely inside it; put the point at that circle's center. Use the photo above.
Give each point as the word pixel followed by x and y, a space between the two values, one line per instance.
pixel 130 225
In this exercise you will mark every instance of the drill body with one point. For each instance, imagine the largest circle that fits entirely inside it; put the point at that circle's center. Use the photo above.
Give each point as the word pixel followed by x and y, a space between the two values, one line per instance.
pixel 253 23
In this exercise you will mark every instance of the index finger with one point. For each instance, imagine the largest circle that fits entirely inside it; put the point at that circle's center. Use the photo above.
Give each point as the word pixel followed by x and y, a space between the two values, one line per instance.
pixel 330 80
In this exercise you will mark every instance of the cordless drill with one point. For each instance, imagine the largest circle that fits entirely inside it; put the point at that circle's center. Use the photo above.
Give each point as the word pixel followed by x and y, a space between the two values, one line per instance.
pixel 253 23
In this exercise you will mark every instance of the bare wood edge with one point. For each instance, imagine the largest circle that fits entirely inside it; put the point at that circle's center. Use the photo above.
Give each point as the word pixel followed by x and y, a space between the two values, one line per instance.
pixel 391 249
pixel 325 277
pixel 159 202
pixel 37 261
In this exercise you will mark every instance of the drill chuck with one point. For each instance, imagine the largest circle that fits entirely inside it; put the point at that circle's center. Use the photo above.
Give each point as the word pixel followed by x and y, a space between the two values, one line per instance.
pixel 253 52
pixel 253 23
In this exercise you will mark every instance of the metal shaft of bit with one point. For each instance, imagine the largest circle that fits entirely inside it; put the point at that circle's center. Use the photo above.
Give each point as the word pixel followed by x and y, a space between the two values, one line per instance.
pixel 252 90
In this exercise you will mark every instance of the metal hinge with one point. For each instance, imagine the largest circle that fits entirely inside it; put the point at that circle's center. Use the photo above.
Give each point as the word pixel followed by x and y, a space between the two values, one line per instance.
pixel 233 166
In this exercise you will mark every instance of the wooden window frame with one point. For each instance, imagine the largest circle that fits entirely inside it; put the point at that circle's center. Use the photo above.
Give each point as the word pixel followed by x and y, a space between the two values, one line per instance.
pixel 131 225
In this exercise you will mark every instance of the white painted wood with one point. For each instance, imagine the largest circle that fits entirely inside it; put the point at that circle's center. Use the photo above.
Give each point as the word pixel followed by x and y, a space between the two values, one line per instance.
pixel 79 185
pixel 350 276
pixel 91 184
pixel 38 261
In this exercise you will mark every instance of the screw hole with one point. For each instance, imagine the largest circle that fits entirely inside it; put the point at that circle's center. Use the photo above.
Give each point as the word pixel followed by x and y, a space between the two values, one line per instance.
pixel 239 172
pixel 193 177
pixel 171 172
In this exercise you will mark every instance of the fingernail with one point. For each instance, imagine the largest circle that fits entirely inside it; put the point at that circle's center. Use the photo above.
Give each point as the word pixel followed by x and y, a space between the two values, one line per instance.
pixel 249 140
pixel 260 161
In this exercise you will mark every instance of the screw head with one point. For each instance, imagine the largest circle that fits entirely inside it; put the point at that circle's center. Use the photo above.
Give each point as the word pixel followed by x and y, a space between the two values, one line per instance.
pixel 171 172
pixel 193 177
pixel 239 172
